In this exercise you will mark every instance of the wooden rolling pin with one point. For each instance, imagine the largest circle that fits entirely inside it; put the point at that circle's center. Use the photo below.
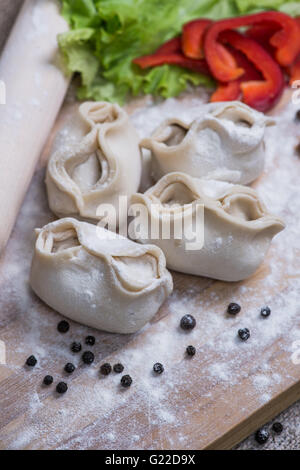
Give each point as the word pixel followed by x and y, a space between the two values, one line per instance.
pixel 35 88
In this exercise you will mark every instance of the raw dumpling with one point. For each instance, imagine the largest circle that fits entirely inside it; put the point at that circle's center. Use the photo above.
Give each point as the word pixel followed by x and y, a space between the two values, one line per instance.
pixel 237 227
pixel 103 165
pixel 226 142
pixel 97 277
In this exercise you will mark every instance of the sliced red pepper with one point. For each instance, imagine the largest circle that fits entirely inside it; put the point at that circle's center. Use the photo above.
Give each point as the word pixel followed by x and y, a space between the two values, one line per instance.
pixel 170 53
pixel 231 91
pixel 173 45
pixel 262 33
pixel 286 41
pixel 294 70
pixel 250 71
pixel 259 94
pixel 192 38
pixel 176 58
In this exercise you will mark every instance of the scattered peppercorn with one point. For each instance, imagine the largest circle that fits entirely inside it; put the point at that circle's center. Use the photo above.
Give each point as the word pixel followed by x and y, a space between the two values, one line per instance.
pixel 118 368
pixel 233 308
pixel 48 380
pixel 69 367
pixel 188 322
pixel 61 387
pixel 90 340
pixel 63 326
pixel 105 369
pixel 31 361
pixel 262 435
pixel 158 368
pixel 244 334
pixel 297 116
pixel 191 351
pixel 76 347
pixel 277 427
pixel 126 381
pixel 265 312
pixel 88 357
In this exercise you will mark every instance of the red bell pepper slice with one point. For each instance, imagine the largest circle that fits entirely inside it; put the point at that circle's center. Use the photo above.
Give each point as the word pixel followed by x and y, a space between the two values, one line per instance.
pixel 286 41
pixel 173 45
pixel 175 58
pixel 231 91
pixel 259 94
pixel 262 32
pixel 192 38
pixel 170 53
pixel 294 70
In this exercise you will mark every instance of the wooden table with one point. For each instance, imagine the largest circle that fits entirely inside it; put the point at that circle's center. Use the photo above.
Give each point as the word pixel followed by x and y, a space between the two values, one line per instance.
pixel 213 400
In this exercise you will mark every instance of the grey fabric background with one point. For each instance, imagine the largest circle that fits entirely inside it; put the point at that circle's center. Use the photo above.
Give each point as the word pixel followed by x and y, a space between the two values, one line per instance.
pixel 290 438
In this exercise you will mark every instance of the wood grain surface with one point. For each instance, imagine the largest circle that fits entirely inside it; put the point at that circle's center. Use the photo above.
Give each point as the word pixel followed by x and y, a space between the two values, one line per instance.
pixel 211 401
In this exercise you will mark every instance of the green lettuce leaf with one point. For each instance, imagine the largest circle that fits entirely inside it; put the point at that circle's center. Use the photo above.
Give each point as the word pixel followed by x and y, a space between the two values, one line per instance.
pixel 106 35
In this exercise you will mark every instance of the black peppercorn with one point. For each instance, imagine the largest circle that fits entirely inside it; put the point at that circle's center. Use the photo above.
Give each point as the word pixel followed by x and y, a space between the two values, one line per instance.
pixel 90 340
pixel 61 387
pixel 48 380
pixel 261 436
pixel 265 311
pixel 88 357
pixel 277 427
pixel 31 361
pixel 187 322
pixel 244 334
pixel 158 368
pixel 63 326
pixel 126 381
pixel 191 351
pixel 105 369
pixel 233 308
pixel 69 368
pixel 118 368
pixel 76 347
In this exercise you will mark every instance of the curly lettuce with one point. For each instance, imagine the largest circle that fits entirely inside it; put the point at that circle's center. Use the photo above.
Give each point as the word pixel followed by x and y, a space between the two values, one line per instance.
pixel 105 35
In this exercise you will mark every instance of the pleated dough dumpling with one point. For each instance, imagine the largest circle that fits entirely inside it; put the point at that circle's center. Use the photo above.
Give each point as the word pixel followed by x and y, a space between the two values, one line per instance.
pixel 226 142
pixel 237 230
pixel 103 165
pixel 97 277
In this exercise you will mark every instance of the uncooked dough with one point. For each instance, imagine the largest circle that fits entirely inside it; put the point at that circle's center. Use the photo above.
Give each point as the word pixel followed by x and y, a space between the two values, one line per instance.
pixel 103 165
pixel 97 277
pixel 227 142
pixel 238 228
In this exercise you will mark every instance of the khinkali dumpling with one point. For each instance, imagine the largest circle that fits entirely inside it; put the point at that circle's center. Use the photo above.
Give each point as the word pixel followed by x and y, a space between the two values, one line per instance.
pixel 226 141
pixel 237 228
pixel 96 170
pixel 97 277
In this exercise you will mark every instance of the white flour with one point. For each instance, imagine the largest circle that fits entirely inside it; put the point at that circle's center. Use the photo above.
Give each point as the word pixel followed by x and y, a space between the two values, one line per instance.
pixel 96 405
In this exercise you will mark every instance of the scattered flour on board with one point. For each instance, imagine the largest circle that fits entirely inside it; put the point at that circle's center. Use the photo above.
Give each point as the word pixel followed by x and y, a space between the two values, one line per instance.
pixel 97 406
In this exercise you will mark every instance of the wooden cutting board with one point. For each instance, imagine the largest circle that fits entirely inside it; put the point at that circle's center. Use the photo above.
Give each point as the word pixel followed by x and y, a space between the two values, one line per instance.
pixel 210 401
